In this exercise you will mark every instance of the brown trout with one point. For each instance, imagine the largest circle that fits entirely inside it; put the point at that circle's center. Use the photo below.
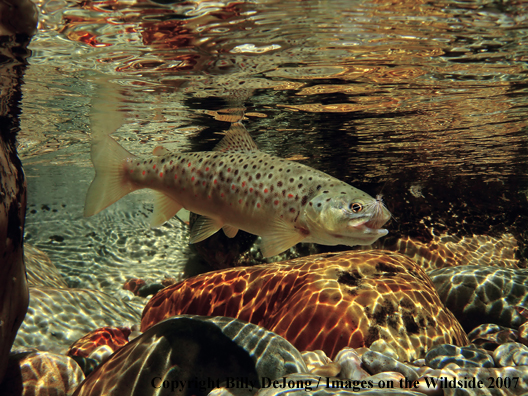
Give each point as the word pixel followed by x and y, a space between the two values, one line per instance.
pixel 236 186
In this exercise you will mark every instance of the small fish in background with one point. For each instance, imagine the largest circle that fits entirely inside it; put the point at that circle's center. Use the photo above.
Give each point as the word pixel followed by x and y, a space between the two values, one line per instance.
pixel 236 186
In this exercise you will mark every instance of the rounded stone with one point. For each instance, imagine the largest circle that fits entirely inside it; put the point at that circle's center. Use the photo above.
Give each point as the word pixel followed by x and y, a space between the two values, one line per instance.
pixel 41 373
pixel 489 336
pixel 482 294
pixel 441 355
pixel 375 363
pixel 111 337
pixel 325 302
pixel 204 353
pixel 350 363
pixel 511 354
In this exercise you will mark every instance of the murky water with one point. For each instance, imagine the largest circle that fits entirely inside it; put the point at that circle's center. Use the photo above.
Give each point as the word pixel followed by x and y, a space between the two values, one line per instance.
pixel 424 101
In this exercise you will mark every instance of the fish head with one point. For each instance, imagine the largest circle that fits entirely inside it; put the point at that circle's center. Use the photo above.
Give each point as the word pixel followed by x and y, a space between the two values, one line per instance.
pixel 346 219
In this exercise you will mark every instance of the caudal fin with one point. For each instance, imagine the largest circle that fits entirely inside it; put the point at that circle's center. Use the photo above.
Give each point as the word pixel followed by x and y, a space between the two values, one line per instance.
pixel 110 183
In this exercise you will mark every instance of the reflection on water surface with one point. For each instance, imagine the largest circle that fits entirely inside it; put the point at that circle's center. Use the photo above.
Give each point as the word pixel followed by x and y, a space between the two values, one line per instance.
pixel 426 102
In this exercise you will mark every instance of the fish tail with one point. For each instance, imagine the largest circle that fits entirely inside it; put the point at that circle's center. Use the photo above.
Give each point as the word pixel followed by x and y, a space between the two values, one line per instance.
pixel 110 183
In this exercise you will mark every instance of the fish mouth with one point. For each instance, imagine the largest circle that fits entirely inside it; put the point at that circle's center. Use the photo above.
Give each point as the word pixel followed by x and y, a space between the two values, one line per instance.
pixel 379 214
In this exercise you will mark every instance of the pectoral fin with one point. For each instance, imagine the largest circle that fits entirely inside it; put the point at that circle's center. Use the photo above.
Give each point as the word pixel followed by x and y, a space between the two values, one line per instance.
pixel 203 228
pixel 160 151
pixel 283 237
pixel 230 231
pixel 164 209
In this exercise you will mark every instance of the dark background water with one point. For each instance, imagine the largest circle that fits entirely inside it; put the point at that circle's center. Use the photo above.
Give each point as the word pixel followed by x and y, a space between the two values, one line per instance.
pixel 425 102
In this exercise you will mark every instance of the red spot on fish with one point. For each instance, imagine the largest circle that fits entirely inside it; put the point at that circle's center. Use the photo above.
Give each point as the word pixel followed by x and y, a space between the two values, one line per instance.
pixel 192 178
pixel 206 169
pixel 154 167
pixel 251 190
pixel 290 195
pixel 292 210
pixel 276 202
pixel 189 165
pixel 229 169
pixel 258 205
pixel 239 201
pixel 170 163
pixel 131 170
pixel 144 173
pixel 233 187
pixel 161 174
pixel 203 183
pixel 222 195
pixel 265 190
pixel 215 181
pixel 243 184
pixel 175 176
pixel 209 196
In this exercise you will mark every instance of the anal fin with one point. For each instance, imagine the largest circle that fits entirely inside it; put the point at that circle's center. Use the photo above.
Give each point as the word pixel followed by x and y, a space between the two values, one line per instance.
pixel 164 209
pixel 203 228
pixel 283 237
pixel 230 231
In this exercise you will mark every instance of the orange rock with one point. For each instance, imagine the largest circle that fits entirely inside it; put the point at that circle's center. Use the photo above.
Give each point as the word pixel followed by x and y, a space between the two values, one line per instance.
pixel 114 337
pixel 134 285
pixel 326 302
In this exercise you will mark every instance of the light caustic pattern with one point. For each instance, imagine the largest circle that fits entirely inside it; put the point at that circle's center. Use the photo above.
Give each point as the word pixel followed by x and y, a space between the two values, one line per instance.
pixel 323 302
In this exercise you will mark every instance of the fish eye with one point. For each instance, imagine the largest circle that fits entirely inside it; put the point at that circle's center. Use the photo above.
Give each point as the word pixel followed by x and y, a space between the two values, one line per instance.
pixel 356 207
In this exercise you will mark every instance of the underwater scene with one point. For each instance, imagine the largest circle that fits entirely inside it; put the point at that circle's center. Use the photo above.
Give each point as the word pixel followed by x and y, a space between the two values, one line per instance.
pixel 263 197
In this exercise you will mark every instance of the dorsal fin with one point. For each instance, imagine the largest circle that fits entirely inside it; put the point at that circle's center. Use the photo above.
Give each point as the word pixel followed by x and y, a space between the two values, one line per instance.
pixel 236 139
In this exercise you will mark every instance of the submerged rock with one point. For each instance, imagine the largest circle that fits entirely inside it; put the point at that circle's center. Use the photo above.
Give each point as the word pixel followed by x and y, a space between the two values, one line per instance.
pixel 191 355
pixel 489 336
pixel 482 294
pixel 41 373
pixel 442 355
pixel 325 302
pixel 40 270
pixel 56 318
pixel 111 337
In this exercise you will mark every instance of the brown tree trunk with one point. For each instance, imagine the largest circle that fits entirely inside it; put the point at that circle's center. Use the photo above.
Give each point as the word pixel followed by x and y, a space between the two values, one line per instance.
pixel 17 24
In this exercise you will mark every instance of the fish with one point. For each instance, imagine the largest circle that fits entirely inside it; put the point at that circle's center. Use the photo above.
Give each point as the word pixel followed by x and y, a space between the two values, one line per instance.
pixel 238 187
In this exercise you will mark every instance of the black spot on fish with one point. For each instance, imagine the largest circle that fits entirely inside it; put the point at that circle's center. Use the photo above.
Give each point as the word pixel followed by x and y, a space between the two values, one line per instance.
pixel 280 169
pixel 270 175
pixel 300 186
pixel 236 172
pixel 200 160
pixel 291 180
pixel 279 184
pixel 245 166
pixel 221 163
pixel 319 205
pixel 257 176
pixel 342 192
pixel 318 187
pixel 163 160
pixel 254 166
pixel 288 170
pixel 310 178
pixel 250 178
pixel 238 178
pixel 241 160
pixel 304 200
pixel 328 199
pixel 325 192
